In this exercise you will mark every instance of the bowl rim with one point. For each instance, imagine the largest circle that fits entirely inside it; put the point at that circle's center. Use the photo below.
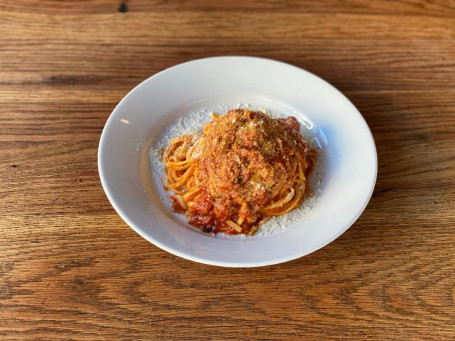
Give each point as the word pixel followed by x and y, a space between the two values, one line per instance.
pixel 163 246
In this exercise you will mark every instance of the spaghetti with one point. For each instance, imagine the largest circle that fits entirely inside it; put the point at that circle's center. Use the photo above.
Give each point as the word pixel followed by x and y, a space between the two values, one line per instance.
pixel 244 168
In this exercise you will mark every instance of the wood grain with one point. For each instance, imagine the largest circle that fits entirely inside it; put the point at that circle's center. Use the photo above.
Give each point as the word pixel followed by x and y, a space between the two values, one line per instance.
pixel 440 8
pixel 70 268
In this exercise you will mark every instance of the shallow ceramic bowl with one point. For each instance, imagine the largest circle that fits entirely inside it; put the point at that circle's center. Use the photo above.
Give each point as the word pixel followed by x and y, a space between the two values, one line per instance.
pixel 348 155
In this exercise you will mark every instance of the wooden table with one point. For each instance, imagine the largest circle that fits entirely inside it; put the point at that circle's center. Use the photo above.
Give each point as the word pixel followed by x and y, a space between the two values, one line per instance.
pixel 70 268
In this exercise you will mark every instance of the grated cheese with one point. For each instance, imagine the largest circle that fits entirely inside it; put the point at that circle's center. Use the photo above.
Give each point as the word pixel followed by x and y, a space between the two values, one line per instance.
pixel 192 124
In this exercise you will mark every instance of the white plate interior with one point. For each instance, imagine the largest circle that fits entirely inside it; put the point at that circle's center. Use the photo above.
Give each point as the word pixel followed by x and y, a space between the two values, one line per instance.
pixel 349 155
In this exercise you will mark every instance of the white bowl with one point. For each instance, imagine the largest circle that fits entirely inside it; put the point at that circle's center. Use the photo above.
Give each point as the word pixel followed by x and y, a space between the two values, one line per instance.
pixel 348 156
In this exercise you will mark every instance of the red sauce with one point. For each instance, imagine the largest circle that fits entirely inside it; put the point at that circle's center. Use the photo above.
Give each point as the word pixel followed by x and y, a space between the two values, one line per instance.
pixel 176 205
pixel 243 159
